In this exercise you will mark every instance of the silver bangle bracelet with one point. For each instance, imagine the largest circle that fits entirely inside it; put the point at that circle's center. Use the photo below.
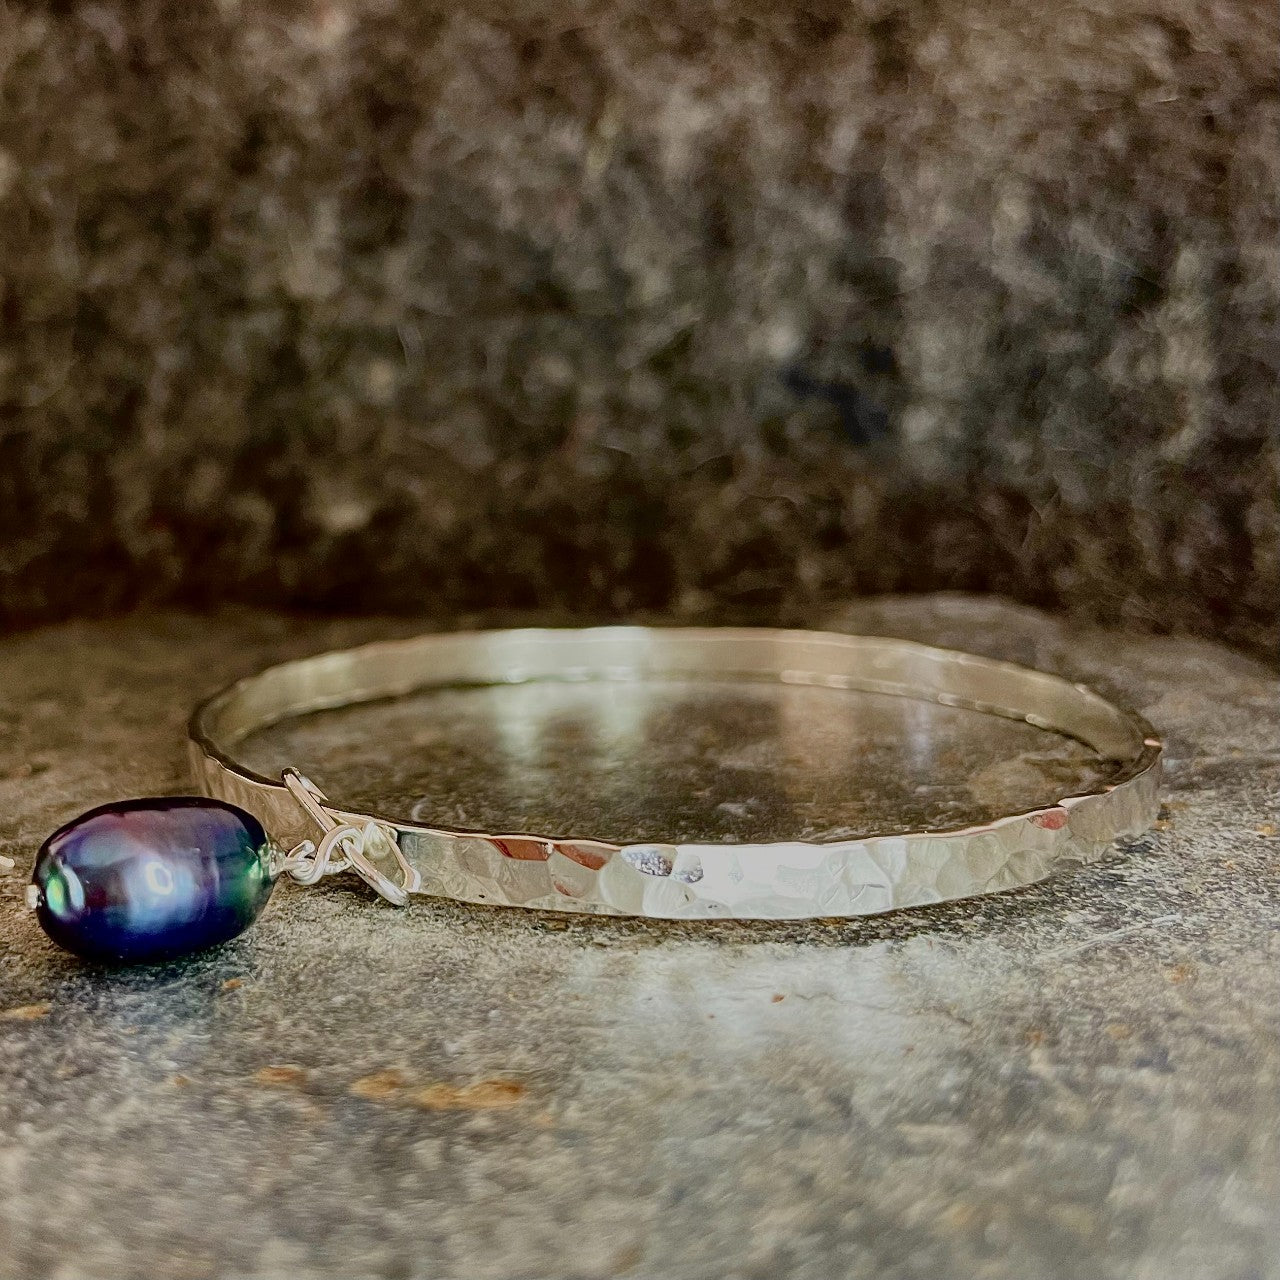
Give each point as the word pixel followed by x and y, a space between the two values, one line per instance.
pixel 575 872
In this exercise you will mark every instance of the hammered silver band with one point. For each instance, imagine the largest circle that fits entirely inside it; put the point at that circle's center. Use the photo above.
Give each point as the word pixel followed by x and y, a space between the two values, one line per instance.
pixel 779 880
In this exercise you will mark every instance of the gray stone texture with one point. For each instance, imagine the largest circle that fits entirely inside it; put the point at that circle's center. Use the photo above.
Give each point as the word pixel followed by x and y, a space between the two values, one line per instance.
pixel 716 306
pixel 1077 1080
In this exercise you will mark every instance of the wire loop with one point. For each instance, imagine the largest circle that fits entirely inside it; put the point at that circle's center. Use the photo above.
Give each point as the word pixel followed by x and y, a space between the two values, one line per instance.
pixel 342 846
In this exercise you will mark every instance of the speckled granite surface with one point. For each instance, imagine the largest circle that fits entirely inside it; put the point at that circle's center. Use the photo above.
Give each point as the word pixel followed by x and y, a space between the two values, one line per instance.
pixel 723 307
pixel 1078 1080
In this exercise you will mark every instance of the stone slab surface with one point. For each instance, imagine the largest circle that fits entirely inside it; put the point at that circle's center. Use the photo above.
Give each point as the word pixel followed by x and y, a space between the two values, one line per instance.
pixel 1081 1079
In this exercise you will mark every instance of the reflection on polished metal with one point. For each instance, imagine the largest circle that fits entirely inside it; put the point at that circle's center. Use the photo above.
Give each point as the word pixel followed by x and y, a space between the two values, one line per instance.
pixel 776 880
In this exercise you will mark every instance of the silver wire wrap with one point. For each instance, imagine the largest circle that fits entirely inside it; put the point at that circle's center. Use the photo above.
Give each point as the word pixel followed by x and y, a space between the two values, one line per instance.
pixel 344 846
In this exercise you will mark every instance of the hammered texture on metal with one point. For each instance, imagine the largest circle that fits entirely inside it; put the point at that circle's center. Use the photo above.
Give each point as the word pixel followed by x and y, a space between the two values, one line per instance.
pixel 777 881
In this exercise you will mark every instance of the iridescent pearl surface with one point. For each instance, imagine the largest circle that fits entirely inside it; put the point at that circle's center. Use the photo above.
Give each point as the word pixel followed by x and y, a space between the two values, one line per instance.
pixel 149 879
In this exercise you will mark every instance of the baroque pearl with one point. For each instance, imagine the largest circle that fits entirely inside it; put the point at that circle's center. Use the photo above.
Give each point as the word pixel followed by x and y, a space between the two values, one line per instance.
pixel 147 879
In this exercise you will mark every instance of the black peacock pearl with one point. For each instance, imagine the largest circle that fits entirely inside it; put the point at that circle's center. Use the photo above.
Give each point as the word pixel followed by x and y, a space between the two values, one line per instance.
pixel 148 879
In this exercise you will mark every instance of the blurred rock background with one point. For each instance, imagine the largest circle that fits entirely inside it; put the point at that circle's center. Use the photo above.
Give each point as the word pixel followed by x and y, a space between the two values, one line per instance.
pixel 718 309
